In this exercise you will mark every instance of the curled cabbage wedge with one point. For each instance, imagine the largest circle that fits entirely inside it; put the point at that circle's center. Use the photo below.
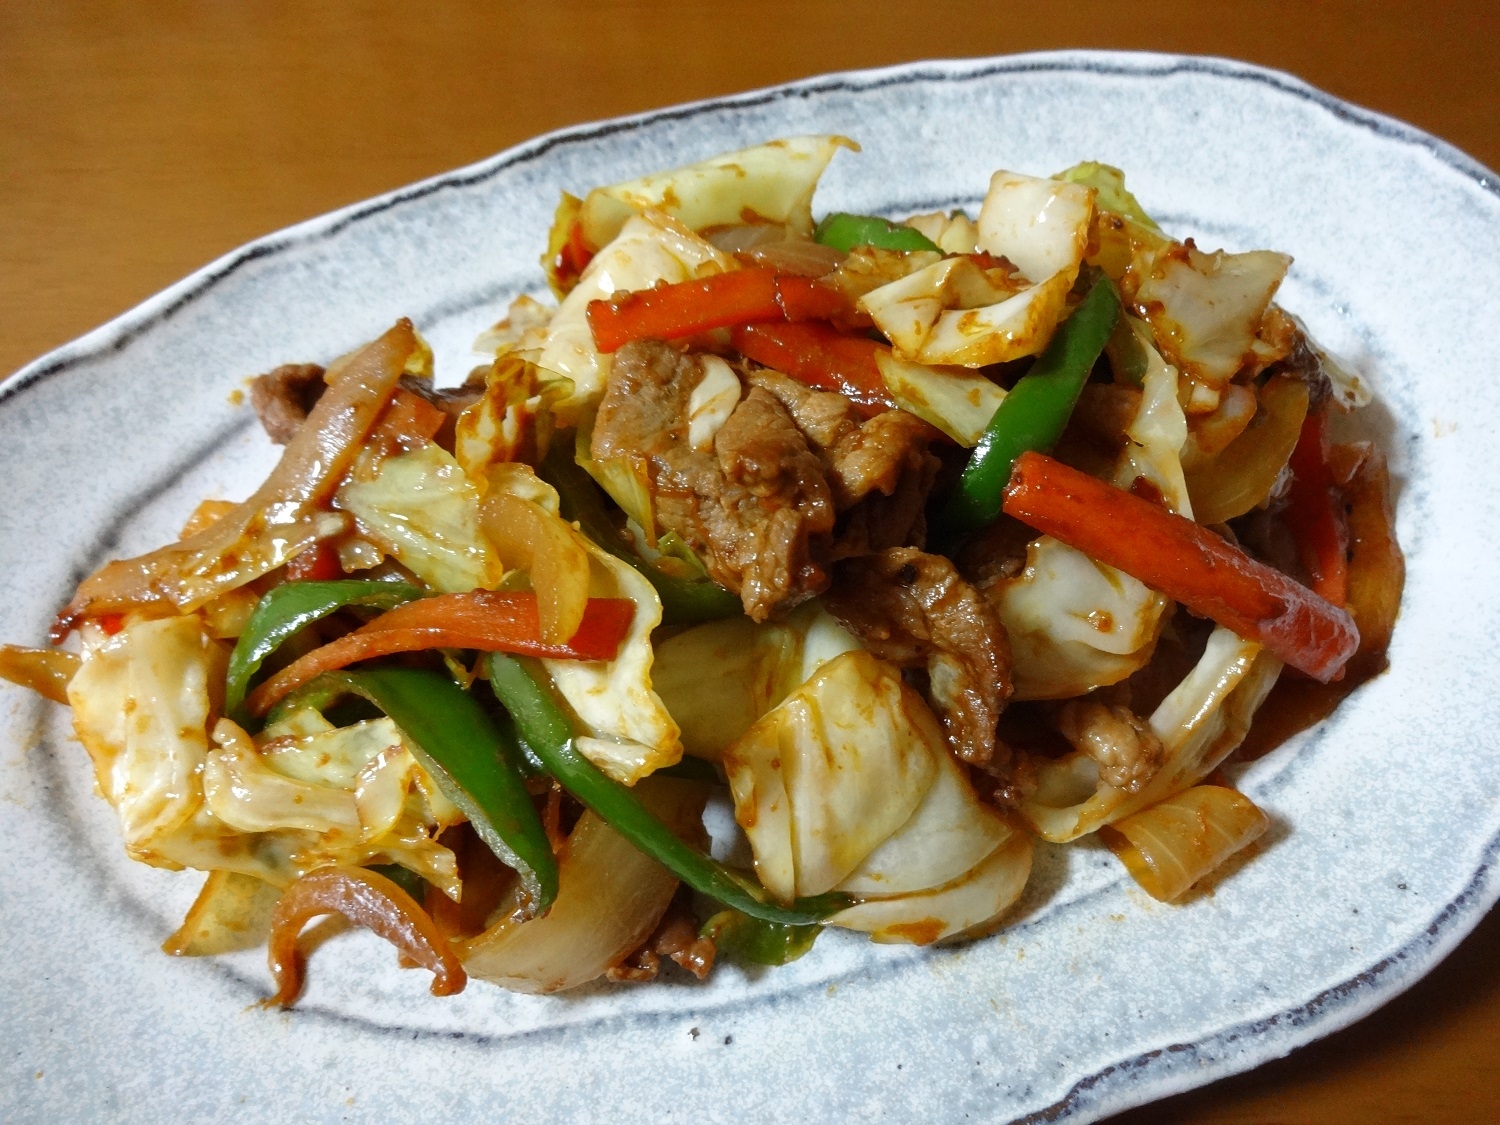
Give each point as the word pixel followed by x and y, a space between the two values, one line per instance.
pixel 769 183
pixel 1173 844
pixel 1199 723
pixel 193 790
pixel 630 733
pixel 847 785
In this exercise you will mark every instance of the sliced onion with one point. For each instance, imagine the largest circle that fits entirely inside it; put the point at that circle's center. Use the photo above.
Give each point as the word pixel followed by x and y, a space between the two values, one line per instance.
pixel 367 899
pixel 281 519
pixel 45 671
pixel 809 259
pixel 1170 846
pixel 528 537
pixel 232 912
pixel 1243 473
pixel 610 897
pixel 744 237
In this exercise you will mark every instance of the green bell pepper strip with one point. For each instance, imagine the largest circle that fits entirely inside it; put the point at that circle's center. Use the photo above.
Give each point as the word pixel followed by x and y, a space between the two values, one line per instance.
pixel 1035 412
pixel 549 734
pixel 286 609
pixel 743 938
pixel 684 601
pixel 469 756
pixel 844 231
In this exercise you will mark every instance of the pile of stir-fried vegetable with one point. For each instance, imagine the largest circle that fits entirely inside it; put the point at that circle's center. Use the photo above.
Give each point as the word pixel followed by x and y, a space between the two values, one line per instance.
pixel 924 539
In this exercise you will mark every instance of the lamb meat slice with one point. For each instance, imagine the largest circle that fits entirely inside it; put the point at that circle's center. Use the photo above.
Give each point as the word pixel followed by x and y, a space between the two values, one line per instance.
pixel 860 457
pixel 914 609
pixel 880 469
pixel 644 412
pixel 283 398
pixel 751 507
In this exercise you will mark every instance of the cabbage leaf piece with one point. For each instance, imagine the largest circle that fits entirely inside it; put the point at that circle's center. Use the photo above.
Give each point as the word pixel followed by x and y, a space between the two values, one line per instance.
pixel 958 402
pixel 309 796
pixel 954 312
pixel 1199 723
pixel 650 248
pixel 628 731
pixel 1074 624
pixel 969 906
pixel 1157 433
pixel 141 705
pixel 950 832
pixel 423 510
pixel 770 183
pixel 953 233
pixel 511 419
pixel 1108 183
pixel 1206 309
pixel 829 774
pixel 718 678
pixel 1040 225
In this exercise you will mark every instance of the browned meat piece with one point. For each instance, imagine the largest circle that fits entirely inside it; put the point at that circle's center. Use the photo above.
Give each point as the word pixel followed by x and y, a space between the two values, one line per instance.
pixel 644 413
pixel 880 470
pixel 751 507
pixel 788 465
pixel 1127 750
pixel 996 553
pixel 283 398
pixel 676 937
pixel 914 610
pixel 859 458
pixel 1289 352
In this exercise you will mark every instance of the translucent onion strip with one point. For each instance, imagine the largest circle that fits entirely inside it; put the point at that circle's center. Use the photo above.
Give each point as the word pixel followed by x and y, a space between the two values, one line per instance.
pixel 610 897
pixel 367 899
pixel 45 671
pixel 1170 846
pixel 280 520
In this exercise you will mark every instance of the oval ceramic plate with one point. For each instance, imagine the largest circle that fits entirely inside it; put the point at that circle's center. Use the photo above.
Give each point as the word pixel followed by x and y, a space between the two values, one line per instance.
pixel 1095 998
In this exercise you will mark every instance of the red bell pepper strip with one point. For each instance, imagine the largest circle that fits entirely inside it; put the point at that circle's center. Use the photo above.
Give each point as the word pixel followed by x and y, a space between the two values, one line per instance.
pixel 319 563
pixel 1314 513
pixel 821 357
pixel 744 296
pixel 1184 561
pixel 480 619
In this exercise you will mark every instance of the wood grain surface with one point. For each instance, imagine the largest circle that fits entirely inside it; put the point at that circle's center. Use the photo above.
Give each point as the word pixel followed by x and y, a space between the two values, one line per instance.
pixel 140 141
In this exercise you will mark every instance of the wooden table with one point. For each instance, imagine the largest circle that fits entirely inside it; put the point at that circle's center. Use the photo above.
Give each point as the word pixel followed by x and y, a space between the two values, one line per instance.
pixel 137 142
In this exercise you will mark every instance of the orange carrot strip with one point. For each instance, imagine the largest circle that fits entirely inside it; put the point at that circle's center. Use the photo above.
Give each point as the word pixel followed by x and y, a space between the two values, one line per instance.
pixel 807 298
pixel 744 296
pixel 670 312
pixel 480 619
pixel 1183 560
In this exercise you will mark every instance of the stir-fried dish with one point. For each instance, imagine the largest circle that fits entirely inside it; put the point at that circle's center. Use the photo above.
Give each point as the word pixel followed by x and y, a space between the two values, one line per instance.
pixel 914 541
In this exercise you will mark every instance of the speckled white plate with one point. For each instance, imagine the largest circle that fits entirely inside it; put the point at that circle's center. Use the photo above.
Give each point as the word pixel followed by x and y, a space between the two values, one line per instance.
pixel 1387 817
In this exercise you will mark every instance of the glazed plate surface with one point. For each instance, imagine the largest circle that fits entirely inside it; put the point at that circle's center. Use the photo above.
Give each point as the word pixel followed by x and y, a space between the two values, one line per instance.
pixel 1387 817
